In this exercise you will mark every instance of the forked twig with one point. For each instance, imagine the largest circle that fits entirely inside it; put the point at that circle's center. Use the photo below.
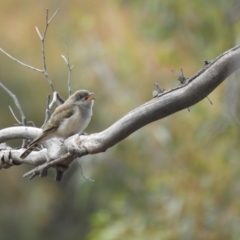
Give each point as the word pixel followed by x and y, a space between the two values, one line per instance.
pixel 24 119
pixel 57 99
pixel 42 38
pixel 182 80
pixel 13 96
pixel 180 77
pixel 41 168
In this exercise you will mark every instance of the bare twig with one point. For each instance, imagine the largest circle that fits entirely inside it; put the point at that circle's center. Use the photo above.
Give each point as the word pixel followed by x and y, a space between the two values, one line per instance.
pixel 180 77
pixel 53 16
pixel 70 68
pixel 24 119
pixel 56 99
pixel 158 90
pixel 81 170
pixel 209 101
pixel 24 64
pixel 14 115
pixel 182 80
pixel 13 96
pixel 47 112
pixel 42 38
pixel 38 170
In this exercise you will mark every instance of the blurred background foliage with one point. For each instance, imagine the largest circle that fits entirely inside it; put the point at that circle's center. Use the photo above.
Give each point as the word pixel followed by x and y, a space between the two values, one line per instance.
pixel 178 178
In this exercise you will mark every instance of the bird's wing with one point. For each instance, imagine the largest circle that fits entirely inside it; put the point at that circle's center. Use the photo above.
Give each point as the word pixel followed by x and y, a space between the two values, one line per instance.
pixel 59 115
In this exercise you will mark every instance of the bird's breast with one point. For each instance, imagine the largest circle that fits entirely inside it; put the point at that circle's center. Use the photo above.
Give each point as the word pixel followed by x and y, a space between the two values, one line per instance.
pixel 74 124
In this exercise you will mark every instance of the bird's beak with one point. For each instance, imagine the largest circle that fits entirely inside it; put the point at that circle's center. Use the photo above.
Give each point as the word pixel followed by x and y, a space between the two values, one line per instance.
pixel 89 97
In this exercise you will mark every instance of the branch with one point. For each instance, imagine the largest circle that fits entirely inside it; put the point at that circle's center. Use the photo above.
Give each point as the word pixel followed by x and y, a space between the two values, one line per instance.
pixel 70 68
pixel 24 119
pixel 69 157
pixel 24 64
pixel 13 96
pixel 164 104
pixel 42 38
pixel 47 112
pixel 194 90
pixel 57 99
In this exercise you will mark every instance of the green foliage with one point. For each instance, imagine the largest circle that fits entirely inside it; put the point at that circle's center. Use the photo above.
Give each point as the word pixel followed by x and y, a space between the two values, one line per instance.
pixel 177 178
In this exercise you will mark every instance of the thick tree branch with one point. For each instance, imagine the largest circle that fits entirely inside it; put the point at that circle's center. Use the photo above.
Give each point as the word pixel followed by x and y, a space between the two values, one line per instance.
pixel 162 105
pixel 196 88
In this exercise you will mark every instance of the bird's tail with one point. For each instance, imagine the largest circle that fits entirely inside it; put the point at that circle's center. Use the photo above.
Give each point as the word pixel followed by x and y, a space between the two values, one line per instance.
pixel 30 148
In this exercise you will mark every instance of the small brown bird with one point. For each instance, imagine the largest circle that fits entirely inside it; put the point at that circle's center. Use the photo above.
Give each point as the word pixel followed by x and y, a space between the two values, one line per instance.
pixel 70 118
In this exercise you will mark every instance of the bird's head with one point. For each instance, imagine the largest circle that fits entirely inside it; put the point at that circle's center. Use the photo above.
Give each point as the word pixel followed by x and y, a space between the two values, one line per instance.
pixel 82 98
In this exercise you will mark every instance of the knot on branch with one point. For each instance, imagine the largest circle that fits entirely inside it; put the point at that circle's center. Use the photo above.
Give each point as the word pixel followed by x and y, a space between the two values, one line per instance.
pixel 6 160
pixel 78 152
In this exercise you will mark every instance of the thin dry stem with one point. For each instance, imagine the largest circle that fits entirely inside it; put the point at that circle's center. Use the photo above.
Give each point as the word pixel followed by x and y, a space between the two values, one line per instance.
pixel 70 68
pixel 47 112
pixel 42 38
pixel 13 96
pixel 38 170
pixel 14 115
pixel 24 119
pixel 53 15
pixel 23 64
pixel 209 101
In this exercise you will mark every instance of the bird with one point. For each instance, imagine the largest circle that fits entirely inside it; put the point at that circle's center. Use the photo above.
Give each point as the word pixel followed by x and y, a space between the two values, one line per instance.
pixel 70 118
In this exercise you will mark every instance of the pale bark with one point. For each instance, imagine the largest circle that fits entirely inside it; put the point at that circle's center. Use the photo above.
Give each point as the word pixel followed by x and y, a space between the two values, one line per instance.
pixel 196 88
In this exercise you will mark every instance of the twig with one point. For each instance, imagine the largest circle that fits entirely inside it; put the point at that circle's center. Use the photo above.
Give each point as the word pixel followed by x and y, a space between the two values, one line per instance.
pixel 180 77
pixel 14 115
pixel 70 68
pixel 38 170
pixel 24 120
pixel 53 15
pixel 210 101
pixel 13 96
pixel 42 38
pixel 86 178
pixel 24 64
pixel 182 80
pixel 158 90
pixel 56 99
pixel 47 112
pixel 60 100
